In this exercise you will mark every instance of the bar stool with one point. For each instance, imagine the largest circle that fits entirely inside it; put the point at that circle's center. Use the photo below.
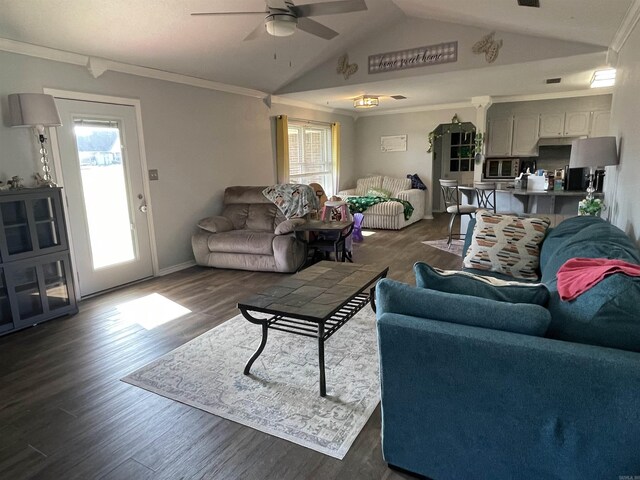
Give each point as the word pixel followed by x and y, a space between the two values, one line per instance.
pixel 486 195
pixel 451 195
pixel 333 208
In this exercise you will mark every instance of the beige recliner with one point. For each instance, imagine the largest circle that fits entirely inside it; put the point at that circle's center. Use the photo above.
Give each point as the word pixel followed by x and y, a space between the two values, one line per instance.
pixel 251 234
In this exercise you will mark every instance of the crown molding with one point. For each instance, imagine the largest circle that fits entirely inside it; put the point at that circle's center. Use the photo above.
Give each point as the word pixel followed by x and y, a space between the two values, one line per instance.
pixel 626 26
pixel 423 108
pixel 97 66
pixel 590 92
pixel 278 100
pixel 46 53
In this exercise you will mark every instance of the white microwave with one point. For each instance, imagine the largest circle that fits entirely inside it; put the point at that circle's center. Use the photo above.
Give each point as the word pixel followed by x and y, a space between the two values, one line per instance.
pixel 501 167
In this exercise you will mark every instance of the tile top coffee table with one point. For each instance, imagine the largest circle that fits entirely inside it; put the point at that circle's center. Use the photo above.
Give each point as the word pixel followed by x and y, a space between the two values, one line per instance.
pixel 315 302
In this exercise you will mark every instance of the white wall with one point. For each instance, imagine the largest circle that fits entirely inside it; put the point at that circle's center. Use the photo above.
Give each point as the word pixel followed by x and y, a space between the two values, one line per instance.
pixel 416 125
pixel 200 140
pixel 623 182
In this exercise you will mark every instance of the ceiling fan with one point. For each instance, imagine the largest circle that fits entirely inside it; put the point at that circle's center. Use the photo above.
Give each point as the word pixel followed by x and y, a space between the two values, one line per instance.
pixel 283 17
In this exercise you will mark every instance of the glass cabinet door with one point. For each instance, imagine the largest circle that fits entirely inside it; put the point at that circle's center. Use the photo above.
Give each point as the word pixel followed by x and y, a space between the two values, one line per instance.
pixel 27 289
pixel 32 224
pixel 16 227
pixel 46 222
pixel 56 291
pixel 40 287
pixel 6 318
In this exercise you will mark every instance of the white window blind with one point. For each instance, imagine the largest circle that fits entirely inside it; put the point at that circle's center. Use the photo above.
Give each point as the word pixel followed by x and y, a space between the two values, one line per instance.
pixel 310 159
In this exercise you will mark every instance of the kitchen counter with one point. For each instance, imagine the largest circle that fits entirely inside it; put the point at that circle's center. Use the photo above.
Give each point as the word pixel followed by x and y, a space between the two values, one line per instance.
pixel 554 204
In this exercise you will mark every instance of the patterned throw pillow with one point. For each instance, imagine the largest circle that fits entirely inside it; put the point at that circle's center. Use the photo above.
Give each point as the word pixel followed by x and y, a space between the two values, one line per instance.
pixel 378 192
pixel 467 283
pixel 506 244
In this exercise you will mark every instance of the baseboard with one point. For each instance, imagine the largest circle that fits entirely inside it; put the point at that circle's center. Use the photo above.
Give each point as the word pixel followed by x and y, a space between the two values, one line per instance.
pixel 428 217
pixel 176 268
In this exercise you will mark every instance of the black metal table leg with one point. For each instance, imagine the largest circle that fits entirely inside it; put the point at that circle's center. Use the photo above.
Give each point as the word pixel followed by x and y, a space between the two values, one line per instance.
pixel 264 323
pixel 323 385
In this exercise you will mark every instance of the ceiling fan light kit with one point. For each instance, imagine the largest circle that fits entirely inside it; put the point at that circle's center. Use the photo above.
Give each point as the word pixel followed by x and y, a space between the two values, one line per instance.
pixel 366 101
pixel 281 24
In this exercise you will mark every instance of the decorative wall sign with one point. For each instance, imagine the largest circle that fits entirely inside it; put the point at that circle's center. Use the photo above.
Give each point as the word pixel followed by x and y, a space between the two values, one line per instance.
pixel 414 57
pixel 393 143
pixel 345 68
pixel 489 46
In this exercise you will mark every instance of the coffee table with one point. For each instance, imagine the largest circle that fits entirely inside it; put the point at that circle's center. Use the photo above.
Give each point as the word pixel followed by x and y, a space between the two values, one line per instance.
pixel 315 302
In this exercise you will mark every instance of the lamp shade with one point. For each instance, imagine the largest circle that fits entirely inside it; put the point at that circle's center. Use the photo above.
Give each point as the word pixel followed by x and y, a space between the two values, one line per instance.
pixel 32 110
pixel 593 152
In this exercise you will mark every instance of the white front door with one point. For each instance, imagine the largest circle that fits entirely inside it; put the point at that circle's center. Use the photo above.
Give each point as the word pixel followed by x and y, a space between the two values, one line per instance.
pixel 102 177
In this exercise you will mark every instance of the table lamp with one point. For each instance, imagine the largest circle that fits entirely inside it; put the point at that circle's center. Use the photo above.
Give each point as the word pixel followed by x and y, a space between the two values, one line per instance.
pixel 36 110
pixel 593 152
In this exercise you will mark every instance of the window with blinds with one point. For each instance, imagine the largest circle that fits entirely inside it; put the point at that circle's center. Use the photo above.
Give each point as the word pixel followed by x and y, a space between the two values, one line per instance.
pixel 310 159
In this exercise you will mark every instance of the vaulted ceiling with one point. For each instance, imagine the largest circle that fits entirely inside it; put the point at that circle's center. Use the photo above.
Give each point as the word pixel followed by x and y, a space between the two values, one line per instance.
pixel 161 34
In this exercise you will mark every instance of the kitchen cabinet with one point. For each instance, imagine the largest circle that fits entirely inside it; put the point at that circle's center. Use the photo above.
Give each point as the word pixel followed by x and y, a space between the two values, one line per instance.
pixel 600 123
pixel 525 135
pixel 500 132
pixel 551 125
pixel 36 281
pixel 569 124
pixel 576 124
pixel 513 136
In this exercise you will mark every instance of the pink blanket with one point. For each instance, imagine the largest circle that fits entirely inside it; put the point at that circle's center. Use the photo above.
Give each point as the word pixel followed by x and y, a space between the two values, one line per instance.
pixel 578 275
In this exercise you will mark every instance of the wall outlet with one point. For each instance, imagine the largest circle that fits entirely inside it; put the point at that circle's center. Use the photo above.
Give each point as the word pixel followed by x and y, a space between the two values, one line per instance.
pixel 153 174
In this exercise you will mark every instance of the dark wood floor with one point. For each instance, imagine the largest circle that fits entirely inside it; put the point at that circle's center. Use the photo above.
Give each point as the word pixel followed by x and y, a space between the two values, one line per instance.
pixel 65 414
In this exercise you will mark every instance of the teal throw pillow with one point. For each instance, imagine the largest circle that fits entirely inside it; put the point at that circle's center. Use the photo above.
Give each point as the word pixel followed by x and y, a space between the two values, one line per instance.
pixel 467 283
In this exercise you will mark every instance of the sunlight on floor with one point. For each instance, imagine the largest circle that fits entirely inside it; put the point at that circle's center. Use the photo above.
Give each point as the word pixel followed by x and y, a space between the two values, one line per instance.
pixel 150 311
pixel 367 233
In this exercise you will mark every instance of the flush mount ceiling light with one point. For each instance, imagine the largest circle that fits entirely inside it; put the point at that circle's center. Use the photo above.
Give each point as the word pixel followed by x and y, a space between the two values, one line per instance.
pixel 281 24
pixel 603 78
pixel 366 101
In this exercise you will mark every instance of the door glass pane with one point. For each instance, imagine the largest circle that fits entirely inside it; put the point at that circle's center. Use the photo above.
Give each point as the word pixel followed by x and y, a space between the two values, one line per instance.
pixel 27 292
pixel 105 193
pixel 55 284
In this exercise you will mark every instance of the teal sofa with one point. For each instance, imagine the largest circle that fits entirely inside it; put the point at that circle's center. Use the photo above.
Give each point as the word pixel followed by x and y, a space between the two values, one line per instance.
pixel 475 388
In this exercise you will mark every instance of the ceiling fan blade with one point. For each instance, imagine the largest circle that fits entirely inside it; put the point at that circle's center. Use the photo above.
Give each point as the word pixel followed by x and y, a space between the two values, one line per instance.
pixel 329 8
pixel 315 28
pixel 227 13
pixel 256 32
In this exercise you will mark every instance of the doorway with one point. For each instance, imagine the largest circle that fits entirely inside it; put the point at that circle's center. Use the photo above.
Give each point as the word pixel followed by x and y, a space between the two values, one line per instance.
pixel 103 178
pixel 453 157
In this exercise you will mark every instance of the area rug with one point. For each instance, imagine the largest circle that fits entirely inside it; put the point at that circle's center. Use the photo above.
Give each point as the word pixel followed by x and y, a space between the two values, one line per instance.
pixel 456 245
pixel 281 397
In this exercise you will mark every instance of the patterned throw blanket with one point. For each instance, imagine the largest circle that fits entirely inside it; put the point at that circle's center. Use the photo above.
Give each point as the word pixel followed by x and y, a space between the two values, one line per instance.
pixel 360 204
pixel 293 200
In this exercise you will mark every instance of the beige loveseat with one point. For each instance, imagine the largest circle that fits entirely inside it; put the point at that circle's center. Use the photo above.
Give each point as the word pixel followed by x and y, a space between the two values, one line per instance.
pixel 389 215
pixel 251 234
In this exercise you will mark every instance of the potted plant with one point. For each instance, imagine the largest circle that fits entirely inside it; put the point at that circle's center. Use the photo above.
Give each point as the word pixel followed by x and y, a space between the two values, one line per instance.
pixel 590 206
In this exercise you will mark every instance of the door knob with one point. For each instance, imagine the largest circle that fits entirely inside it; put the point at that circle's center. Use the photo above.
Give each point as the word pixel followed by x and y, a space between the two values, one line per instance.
pixel 144 208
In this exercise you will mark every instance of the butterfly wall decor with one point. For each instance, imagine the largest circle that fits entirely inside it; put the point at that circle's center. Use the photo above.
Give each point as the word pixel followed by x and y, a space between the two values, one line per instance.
pixel 489 46
pixel 345 68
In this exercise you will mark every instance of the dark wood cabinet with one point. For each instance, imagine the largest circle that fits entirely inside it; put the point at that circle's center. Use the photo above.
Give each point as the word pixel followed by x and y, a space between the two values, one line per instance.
pixel 36 281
